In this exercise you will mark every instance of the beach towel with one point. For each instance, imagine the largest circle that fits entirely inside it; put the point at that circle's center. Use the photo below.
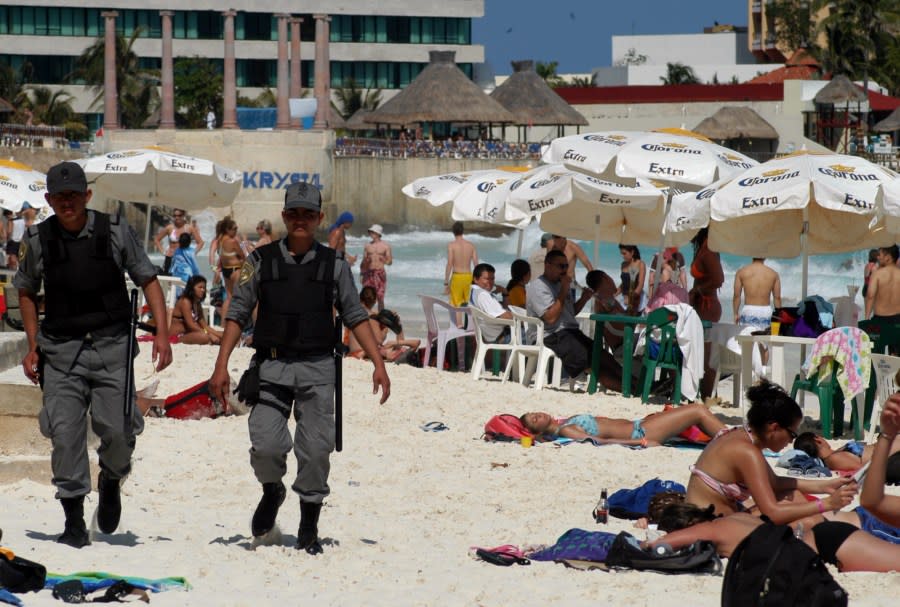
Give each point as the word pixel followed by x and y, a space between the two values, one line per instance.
pixel 851 348
pixel 579 545
pixel 633 503
pixel 97 580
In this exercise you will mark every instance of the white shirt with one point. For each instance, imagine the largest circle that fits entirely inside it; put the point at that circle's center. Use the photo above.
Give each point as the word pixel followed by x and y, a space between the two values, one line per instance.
pixel 485 302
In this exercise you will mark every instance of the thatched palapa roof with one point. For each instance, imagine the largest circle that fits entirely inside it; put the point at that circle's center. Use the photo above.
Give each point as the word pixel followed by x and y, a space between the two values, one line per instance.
pixel 840 91
pixel 334 119
pixel 736 123
pixel 441 93
pixel 889 124
pixel 532 101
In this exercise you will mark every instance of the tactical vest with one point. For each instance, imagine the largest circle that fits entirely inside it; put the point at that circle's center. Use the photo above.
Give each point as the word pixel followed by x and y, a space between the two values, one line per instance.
pixel 84 286
pixel 296 301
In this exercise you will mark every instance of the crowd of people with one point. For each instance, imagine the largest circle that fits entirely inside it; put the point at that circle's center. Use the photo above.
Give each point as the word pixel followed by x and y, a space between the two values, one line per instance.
pixel 453 147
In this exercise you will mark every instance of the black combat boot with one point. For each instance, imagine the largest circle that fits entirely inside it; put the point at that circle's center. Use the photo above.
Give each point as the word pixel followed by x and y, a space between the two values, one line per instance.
pixel 308 535
pixel 75 534
pixel 109 508
pixel 267 510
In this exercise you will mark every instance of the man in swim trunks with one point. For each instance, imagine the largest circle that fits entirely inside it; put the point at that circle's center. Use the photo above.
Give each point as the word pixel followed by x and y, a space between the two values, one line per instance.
pixel 461 258
pixel 761 288
pixel 883 295
pixel 376 255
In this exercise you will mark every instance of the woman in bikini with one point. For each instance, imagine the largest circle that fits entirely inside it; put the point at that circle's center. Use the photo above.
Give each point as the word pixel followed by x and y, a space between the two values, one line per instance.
pixel 706 270
pixel 838 543
pixel 188 322
pixel 633 272
pixel 170 234
pixel 732 468
pixel 649 431
pixel 231 258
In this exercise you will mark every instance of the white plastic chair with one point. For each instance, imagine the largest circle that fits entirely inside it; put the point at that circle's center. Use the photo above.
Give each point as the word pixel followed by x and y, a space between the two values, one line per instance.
pixel 885 368
pixel 534 359
pixel 729 362
pixel 482 347
pixel 442 334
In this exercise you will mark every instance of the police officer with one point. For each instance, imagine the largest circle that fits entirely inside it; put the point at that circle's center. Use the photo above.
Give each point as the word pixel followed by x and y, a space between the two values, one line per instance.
pixel 298 283
pixel 79 256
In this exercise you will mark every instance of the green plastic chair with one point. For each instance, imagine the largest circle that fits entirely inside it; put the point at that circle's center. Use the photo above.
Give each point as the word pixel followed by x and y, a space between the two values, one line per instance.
pixel 831 401
pixel 667 357
pixel 885 340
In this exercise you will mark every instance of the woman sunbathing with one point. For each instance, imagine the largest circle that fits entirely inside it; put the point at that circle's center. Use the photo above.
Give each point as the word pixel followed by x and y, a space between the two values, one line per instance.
pixel 840 544
pixel 188 322
pixel 650 431
pixel 732 468
pixel 849 457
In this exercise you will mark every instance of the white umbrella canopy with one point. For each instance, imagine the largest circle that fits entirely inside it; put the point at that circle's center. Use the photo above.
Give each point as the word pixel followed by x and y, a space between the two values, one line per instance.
pixel 586 207
pixel 891 201
pixel 159 177
pixel 476 195
pixel 682 158
pixel 19 183
pixel 799 205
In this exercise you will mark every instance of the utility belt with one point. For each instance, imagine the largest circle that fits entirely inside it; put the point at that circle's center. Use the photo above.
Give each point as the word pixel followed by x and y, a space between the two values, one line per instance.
pixel 276 352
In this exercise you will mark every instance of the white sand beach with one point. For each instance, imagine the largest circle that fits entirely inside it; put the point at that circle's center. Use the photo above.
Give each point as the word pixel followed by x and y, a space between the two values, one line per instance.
pixel 405 505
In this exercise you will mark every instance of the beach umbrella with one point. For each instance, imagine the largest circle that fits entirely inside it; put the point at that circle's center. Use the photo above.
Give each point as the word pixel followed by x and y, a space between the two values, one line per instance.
pixel 799 205
pixel 681 160
pixel 19 183
pixel 475 195
pixel 891 201
pixel 155 176
pixel 587 207
pixel 678 157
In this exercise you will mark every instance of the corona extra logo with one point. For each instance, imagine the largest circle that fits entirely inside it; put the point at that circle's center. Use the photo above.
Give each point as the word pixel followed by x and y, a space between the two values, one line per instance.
pixel 617 140
pixel 735 161
pixel 117 155
pixel 37 186
pixel 841 171
pixel 842 168
pixel 774 173
pixel 486 186
pixel 677 148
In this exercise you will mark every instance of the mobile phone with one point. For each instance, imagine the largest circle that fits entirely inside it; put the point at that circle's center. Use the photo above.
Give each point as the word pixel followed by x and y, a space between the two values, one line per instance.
pixel 860 474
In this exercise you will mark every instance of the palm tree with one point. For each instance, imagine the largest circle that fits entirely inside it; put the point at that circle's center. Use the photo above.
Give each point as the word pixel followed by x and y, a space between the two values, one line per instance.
pixel 11 82
pixel 49 107
pixel 679 73
pixel 862 39
pixel 547 71
pixel 351 98
pixel 581 81
pixel 136 87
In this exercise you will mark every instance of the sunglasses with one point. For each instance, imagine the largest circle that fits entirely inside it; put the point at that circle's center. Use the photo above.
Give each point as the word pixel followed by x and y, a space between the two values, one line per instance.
pixel 792 434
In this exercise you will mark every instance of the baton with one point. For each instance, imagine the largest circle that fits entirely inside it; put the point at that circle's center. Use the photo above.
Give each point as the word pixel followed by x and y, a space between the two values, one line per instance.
pixel 133 325
pixel 128 407
pixel 339 350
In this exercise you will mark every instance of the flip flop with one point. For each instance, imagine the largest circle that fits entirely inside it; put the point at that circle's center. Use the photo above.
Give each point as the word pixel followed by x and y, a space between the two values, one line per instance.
pixel 434 427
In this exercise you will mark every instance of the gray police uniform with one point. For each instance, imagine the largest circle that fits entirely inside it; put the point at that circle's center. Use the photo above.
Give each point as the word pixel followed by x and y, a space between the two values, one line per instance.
pixel 304 382
pixel 85 370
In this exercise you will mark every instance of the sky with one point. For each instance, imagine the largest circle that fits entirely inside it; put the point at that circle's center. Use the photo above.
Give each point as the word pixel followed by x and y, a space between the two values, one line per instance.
pixel 578 33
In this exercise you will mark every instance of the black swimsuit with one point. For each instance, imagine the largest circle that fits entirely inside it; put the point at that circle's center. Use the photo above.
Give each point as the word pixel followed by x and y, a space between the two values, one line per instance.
pixel 830 536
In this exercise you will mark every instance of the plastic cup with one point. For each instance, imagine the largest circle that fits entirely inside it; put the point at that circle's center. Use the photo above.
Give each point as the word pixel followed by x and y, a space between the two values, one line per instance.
pixel 776 327
pixel 526 441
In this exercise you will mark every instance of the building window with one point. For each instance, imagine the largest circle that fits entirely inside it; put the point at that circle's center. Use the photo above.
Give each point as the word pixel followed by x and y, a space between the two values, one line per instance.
pixel 400 30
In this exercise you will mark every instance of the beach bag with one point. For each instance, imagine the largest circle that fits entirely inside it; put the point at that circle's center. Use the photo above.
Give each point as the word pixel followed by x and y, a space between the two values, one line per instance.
pixel 699 557
pixel 21 575
pixel 772 567
pixel 505 428
pixel 194 403
pixel 633 503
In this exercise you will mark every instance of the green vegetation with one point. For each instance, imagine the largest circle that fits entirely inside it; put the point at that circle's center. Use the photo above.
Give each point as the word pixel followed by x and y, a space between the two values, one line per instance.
pixel 351 98
pixel 679 73
pixel 198 88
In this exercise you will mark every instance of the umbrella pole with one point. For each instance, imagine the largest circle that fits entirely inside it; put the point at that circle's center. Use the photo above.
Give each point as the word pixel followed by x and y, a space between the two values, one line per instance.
pixel 519 243
pixel 147 230
pixel 596 252
pixel 804 252
pixel 662 242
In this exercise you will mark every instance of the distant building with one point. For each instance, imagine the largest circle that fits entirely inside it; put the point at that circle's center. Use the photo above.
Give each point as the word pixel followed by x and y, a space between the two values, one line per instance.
pixel 719 54
pixel 381 44
pixel 762 31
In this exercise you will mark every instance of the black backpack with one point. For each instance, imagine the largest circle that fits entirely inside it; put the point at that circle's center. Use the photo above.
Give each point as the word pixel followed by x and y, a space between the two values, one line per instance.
pixel 626 553
pixel 771 567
